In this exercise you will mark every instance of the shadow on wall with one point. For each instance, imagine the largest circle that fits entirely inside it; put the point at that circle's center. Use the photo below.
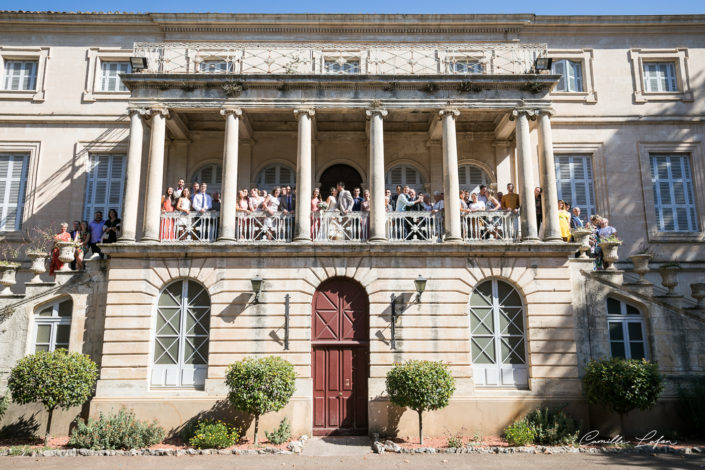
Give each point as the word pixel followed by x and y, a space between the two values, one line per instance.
pixel 386 415
pixel 222 410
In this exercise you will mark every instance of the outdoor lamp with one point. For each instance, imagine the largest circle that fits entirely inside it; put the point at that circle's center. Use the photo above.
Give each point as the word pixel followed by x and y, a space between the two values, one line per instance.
pixel 256 287
pixel 543 63
pixel 420 283
pixel 138 63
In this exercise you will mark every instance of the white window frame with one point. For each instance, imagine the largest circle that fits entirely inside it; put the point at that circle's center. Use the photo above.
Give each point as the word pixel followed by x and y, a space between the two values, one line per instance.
pixel 591 206
pixel 679 57
pixel 572 78
pixel 683 161
pixel 95 56
pixel 415 185
pixel 54 321
pixel 341 62
pixel 278 182
pixel 90 205
pixel 466 184
pixel 667 84
pixel 697 168
pixel 106 75
pixel 181 374
pixel 5 203
pixel 40 55
pixel 213 186
pixel 586 59
pixel 624 320
pixel 217 66
pixel 501 374
pixel 27 73
pixel 477 64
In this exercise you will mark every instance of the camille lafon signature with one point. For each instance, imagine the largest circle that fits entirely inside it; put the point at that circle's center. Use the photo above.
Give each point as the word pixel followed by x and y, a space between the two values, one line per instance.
pixel 651 438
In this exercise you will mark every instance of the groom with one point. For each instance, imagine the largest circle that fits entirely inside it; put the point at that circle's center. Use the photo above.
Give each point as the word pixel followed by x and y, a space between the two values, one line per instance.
pixel 345 205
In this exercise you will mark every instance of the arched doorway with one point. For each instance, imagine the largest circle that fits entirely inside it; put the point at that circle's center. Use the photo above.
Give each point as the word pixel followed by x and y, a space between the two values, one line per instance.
pixel 340 357
pixel 339 172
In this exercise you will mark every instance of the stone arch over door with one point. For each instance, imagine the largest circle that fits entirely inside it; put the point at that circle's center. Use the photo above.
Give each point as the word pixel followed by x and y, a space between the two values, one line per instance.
pixel 339 172
pixel 340 357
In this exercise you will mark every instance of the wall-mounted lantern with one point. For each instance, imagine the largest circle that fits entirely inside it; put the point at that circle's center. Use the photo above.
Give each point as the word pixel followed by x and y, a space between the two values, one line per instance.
pixel 420 283
pixel 256 287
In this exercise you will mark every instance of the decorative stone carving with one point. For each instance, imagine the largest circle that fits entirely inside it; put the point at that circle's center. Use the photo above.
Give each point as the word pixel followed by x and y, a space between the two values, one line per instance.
pixel 582 236
pixel 7 277
pixel 38 267
pixel 67 252
pixel 641 266
pixel 610 254
pixel 669 277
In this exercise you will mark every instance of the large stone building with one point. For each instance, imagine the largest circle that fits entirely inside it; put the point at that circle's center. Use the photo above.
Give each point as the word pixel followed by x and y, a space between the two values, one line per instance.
pixel 101 111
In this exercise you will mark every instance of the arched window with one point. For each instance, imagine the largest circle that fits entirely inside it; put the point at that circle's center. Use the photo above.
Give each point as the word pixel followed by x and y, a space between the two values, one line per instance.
pixel 181 336
pixel 471 177
pixel 212 175
pixel 627 330
pixel 497 335
pixel 276 175
pixel 404 175
pixel 53 326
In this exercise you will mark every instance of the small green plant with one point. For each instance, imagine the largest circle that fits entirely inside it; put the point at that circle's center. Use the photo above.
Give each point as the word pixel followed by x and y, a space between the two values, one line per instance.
pixel 118 431
pixel 622 385
pixel 9 254
pixel 420 385
pixel 57 379
pixel 455 441
pixel 214 435
pixel 553 427
pixel 4 404
pixel 281 434
pixel 258 386
pixel 520 433
pixel 693 406
pixel 22 451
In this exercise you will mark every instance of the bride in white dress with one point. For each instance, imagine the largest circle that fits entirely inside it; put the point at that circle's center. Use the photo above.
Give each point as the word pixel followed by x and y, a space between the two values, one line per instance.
pixel 334 229
pixel 271 208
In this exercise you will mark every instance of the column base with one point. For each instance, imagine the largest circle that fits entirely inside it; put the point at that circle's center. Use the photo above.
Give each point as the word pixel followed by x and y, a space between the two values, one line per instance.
pixel 146 239
pixel 449 238
pixel 302 240
pixel 531 239
pixel 126 240
pixel 377 239
pixel 553 239
pixel 226 239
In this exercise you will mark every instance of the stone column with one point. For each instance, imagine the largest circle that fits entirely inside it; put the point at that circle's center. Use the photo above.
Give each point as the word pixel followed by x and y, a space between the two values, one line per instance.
pixel 547 164
pixel 529 232
pixel 155 175
pixel 302 231
pixel 132 176
pixel 451 186
pixel 378 212
pixel 230 163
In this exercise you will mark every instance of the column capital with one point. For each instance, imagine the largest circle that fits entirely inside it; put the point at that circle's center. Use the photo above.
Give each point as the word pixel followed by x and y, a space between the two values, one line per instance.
pixel 453 112
pixel 528 113
pixel 298 112
pixel 137 110
pixel 159 109
pixel 230 110
pixel 550 112
pixel 376 111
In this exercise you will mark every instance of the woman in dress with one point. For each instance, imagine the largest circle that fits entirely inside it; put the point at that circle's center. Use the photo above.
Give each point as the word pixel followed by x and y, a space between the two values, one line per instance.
pixel 334 231
pixel 365 207
pixel 563 221
pixel 111 228
pixel 271 208
pixel 166 228
pixel 183 206
pixel 242 209
pixel 315 217
pixel 255 201
pixel 62 236
pixel 476 224
pixel 83 243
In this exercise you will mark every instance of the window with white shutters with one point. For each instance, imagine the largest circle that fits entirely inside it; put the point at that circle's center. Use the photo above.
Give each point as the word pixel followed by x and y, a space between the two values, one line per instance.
pixel 212 175
pixel 13 179
pixel 20 74
pixel 276 175
pixel 571 73
pixel 339 66
pixel 674 201
pixel 53 326
pixel 471 177
pixel 110 75
pixel 105 185
pixel 215 66
pixel 404 175
pixel 575 185
pixel 627 331
pixel 660 77
pixel 465 66
pixel 497 339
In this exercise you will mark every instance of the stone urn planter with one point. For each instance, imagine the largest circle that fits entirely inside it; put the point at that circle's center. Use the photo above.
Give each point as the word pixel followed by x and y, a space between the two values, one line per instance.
pixel 582 236
pixel 67 252
pixel 39 262
pixel 641 266
pixel 610 254
pixel 697 291
pixel 8 271
pixel 669 277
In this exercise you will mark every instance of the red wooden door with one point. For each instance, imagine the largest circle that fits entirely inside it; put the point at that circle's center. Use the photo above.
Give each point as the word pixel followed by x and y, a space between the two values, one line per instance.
pixel 340 358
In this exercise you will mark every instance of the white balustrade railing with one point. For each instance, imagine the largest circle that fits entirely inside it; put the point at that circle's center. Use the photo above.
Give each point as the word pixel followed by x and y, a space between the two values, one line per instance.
pixel 176 227
pixel 414 226
pixel 334 226
pixel 490 225
pixel 261 226
pixel 306 58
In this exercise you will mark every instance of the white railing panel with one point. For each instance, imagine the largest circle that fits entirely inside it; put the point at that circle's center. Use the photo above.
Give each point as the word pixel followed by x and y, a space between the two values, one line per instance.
pixel 260 226
pixel 336 227
pixel 490 225
pixel 414 226
pixel 176 227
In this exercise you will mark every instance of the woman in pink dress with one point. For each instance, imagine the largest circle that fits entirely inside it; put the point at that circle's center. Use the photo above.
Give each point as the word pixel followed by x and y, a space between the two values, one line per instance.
pixel 62 236
pixel 365 207
pixel 242 209
pixel 315 220
pixel 166 229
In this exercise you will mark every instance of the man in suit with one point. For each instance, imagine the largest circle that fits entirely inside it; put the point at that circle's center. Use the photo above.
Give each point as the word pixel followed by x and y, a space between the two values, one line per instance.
pixel 287 199
pixel 345 199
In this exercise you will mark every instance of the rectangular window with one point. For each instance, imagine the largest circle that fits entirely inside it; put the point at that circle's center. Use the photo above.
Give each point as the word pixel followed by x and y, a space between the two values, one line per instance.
pixel 13 179
pixel 660 77
pixel 465 66
pixel 338 66
pixel 215 66
pixel 110 75
pixel 104 189
pixel 626 330
pixel 673 193
pixel 53 325
pixel 571 73
pixel 20 74
pixel 574 181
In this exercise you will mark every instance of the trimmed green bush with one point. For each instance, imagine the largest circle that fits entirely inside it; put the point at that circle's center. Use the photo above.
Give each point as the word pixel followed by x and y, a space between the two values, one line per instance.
pixel 4 404
pixel 421 386
pixel 281 434
pixel 258 386
pixel 57 379
pixel 118 431
pixel 214 435
pixel 520 433
pixel 692 402
pixel 553 427
pixel 622 385
pixel 455 441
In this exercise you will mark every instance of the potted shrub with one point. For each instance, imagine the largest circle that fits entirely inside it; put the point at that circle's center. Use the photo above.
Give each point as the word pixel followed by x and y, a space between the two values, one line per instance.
pixel 37 249
pixel 641 263
pixel 609 246
pixel 57 379
pixel 258 386
pixel 669 276
pixel 8 266
pixel 421 386
pixel 622 385
pixel 582 235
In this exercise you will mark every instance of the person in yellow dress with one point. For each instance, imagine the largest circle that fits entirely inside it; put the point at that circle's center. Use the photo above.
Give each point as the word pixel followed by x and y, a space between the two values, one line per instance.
pixel 563 220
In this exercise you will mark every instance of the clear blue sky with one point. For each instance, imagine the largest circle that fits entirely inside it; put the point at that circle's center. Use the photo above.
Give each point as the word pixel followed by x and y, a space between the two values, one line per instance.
pixel 544 7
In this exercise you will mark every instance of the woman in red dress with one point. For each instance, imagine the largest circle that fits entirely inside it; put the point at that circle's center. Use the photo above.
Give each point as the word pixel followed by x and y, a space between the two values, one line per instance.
pixel 62 236
pixel 166 229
